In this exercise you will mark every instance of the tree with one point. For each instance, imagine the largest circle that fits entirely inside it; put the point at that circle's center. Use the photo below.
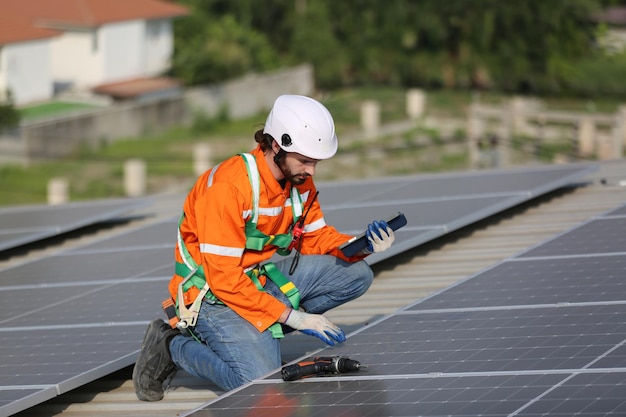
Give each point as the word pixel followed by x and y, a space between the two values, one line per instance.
pixel 313 41
pixel 9 116
pixel 212 49
pixel 526 46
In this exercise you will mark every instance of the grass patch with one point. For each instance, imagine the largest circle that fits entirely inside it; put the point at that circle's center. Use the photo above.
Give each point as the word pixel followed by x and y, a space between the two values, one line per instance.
pixel 55 108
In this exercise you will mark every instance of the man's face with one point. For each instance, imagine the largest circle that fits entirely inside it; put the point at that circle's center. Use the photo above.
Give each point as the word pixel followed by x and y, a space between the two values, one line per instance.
pixel 297 168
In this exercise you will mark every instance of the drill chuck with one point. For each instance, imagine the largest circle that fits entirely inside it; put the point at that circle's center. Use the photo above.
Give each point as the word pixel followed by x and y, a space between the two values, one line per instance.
pixel 319 366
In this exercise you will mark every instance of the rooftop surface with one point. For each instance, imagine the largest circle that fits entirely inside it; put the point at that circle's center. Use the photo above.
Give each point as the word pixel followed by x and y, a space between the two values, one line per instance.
pixel 399 281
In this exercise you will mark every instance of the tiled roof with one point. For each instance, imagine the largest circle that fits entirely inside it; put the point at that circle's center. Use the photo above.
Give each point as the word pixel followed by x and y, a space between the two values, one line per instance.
pixel 136 87
pixel 13 29
pixel 89 13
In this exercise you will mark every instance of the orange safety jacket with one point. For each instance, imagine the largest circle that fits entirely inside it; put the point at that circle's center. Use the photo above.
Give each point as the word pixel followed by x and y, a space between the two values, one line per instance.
pixel 213 230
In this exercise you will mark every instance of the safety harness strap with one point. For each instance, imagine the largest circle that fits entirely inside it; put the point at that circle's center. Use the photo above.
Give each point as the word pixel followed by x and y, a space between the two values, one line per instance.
pixel 255 240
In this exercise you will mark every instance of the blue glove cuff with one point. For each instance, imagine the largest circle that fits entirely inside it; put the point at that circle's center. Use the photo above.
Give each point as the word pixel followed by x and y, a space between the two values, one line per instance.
pixel 328 337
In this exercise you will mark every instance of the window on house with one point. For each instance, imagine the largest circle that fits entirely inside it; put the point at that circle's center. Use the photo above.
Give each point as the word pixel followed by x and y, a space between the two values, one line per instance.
pixel 94 41
pixel 154 29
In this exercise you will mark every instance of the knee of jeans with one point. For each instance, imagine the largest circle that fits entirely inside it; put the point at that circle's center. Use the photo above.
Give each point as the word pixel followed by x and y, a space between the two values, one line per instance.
pixel 366 277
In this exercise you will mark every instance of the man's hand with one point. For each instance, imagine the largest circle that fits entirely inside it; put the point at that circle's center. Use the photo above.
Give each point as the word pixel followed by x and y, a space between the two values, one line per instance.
pixel 379 237
pixel 315 325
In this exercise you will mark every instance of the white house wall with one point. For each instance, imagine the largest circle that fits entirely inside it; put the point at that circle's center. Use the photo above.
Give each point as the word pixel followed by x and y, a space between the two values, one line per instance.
pixel 3 73
pixel 77 58
pixel 25 70
pixel 123 50
pixel 109 53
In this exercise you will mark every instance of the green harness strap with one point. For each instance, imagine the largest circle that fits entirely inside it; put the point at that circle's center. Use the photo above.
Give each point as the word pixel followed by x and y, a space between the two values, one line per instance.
pixel 255 240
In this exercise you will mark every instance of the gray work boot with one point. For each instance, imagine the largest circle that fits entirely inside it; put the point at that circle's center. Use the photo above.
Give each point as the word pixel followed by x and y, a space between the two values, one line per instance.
pixel 154 363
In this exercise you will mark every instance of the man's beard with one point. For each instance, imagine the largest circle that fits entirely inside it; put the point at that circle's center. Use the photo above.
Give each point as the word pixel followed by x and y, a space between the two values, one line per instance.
pixel 294 179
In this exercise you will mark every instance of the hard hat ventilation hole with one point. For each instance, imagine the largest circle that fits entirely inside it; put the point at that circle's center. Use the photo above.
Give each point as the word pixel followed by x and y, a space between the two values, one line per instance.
pixel 286 140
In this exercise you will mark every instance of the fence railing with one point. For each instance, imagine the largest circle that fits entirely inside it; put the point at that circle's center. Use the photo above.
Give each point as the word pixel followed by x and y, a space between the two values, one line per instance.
pixel 593 135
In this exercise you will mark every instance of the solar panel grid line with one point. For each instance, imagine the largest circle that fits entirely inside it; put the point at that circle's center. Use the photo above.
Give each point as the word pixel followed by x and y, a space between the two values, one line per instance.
pixel 26 224
pixel 541 396
pixel 432 375
pixel 574 256
pixel 156 234
pixel 121 249
pixel 507 307
pixel 90 325
pixel 554 280
pixel 434 294
pixel 536 181
pixel 81 284
pixel 112 303
pixel 85 267
pixel 455 198
pixel 523 395
pixel 35 311
pixel 608 216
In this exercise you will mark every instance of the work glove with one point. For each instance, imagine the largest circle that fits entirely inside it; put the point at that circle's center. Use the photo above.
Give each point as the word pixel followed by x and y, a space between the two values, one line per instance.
pixel 315 325
pixel 379 237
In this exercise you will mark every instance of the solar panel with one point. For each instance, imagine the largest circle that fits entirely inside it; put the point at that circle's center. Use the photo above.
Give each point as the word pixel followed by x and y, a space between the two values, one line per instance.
pixel 539 334
pixel 84 267
pixel 60 360
pixel 603 235
pixel 26 224
pixel 103 294
pixel 437 204
pixel 531 395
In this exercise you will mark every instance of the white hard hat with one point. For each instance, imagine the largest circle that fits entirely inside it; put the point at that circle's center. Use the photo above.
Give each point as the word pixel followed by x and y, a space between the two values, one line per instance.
pixel 303 125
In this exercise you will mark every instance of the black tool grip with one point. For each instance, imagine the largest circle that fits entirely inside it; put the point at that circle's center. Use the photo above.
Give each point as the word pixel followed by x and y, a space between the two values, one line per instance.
pixel 319 365
pixel 296 371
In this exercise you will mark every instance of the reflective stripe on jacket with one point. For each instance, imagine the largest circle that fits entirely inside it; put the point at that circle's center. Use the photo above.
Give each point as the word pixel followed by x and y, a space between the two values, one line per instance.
pixel 214 234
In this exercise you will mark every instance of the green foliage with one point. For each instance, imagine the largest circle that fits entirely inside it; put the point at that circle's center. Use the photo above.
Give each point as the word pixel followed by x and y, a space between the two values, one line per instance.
pixel 218 49
pixel 52 108
pixel 600 75
pixel 531 46
pixel 9 115
pixel 312 40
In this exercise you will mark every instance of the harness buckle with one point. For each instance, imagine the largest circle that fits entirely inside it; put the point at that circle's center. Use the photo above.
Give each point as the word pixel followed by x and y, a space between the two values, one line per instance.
pixel 189 316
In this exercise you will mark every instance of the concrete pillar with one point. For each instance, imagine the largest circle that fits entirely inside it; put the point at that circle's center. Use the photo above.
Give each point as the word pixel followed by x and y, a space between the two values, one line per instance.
pixel 517 118
pixel 607 149
pixel 586 137
pixel 370 117
pixel 475 132
pixel 415 103
pixel 58 191
pixel 620 129
pixel 135 177
pixel 201 158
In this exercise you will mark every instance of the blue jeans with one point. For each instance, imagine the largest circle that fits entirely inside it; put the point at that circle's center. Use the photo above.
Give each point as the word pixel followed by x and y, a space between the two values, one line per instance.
pixel 235 352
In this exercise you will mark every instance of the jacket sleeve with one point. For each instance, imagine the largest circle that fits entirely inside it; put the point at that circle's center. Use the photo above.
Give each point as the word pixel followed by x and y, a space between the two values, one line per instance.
pixel 222 240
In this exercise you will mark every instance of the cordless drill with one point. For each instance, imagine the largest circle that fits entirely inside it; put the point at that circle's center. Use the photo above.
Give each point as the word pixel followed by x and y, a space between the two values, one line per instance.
pixel 319 366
